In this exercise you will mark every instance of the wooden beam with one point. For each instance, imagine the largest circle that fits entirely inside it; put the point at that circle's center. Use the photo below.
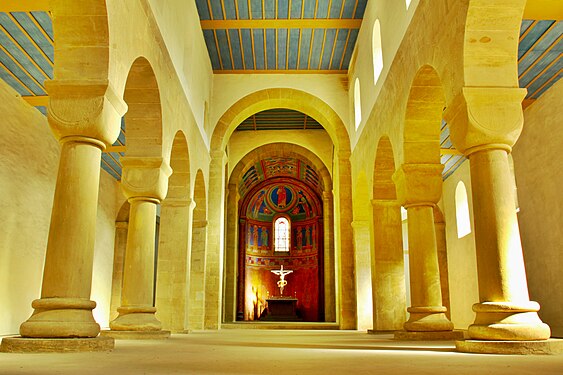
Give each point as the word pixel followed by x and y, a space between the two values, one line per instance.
pixel 115 149
pixel 24 5
pixel 544 10
pixel 281 71
pixel 37 101
pixel 527 102
pixel 450 151
pixel 282 24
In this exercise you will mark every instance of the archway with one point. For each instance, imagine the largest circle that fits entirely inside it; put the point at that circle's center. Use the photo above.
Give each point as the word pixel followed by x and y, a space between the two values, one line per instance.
pixel 327 117
pixel 173 257
pixel 197 296
pixel 249 163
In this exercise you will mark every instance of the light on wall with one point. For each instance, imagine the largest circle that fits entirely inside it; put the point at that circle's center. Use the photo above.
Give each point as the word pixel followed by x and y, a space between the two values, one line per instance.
pixel 357 104
pixel 408 3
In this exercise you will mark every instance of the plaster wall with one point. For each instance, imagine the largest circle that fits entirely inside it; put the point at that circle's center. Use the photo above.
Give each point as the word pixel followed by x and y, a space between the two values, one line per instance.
pixel 317 141
pixel 537 164
pixel 462 259
pixel 28 172
pixel 229 88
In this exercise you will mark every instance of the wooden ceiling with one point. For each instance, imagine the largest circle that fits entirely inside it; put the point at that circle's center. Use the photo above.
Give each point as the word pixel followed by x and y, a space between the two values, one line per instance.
pixel 280 36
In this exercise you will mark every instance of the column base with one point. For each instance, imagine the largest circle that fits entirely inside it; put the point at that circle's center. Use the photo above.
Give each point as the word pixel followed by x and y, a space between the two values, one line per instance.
pixel 551 346
pixel 136 318
pixel 428 319
pixel 61 318
pixel 428 336
pixel 507 321
pixel 49 345
pixel 136 335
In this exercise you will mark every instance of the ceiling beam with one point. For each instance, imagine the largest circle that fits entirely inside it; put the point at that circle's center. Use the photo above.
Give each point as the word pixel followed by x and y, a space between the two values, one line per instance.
pixel 24 5
pixel 115 149
pixel 282 24
pixel 280 71
pixel 450 151
pixel 37 101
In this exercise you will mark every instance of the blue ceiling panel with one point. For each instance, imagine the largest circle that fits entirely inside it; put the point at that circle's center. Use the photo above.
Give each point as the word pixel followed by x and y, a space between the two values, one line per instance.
pixel 339 49
pixel 525 25
pixel 44 20
pixel 296 8
pixel 293 48
pixel 230 11
pixel 349 6
pixel 235 48
pixel 247 48
pixel 216 11
pixel 243 12
pixel 256 9
pixel 533 36
pixel 14 83
pixel 360 10
pixel 350 48
pixel 38 37
pixel 309 9
pixel 544 79
pixel 328 47
pixel 224 51
pixel 305 48
pixel 271 48
pixel 540 66
pixel 258 35
pixel 283 9
pixel 202 9
pixel 209 37
pixel 282 48
pixel 549 84
pixel 21 74
pixel 322 9
pixel 270 9
pixel 335 8
pixel 317 48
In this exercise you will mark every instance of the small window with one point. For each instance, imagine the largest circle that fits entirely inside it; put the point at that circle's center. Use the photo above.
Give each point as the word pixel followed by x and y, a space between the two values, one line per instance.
pixel 462 211
pixel 408 3
pixel 357 104
pixel 281 234
pixel 377 51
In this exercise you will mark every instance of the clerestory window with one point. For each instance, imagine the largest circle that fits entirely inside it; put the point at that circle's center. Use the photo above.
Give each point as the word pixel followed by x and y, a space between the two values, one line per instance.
pixel 281 234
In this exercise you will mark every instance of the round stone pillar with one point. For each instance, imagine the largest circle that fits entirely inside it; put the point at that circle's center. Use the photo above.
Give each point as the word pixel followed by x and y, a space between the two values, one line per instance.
pixel 419 188
pixel 144 182
pixel 485 123
pixel 85 118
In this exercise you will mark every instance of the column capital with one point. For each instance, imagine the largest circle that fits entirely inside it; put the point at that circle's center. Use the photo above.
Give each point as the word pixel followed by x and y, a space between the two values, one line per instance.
pixel 90 109
pixel 145 177
pixel 199 224
pixel 418 184
pixel 121 225
pixel 385 202
pixel 485 118
pixel 359 224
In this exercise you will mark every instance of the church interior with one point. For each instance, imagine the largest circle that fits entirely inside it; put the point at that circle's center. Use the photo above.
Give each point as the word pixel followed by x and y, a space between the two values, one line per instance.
pixel 270 186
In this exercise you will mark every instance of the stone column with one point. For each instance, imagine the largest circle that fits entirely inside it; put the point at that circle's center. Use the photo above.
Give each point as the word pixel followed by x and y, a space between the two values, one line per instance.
pixel 84 118
pixel 485 124
pixel 440 225
pixel 121 228
pixel 231 251
pixel 173 263
pixel 419 189
pixel 197 291
pixel 144 182
pixel 329 271
pixel 387 266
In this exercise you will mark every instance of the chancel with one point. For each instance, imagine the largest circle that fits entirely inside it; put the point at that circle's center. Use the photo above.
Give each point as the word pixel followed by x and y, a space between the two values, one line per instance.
pixel 233 186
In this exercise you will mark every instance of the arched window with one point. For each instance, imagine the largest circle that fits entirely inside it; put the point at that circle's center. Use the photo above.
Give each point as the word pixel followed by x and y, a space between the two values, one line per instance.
pixel 357 104
pixel 408 3
pixel 281 234
pixel 462 211
pixel 377 51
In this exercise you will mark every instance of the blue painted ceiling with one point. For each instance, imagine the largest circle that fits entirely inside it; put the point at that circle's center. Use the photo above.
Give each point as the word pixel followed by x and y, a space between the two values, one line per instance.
pixel 27 55
pixel 283 47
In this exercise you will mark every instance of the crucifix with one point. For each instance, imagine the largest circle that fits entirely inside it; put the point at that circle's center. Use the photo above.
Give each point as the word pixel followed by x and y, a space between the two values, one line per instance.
pixel 282 282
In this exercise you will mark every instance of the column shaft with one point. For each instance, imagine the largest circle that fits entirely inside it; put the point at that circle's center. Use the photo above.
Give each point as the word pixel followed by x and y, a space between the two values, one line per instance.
pixel 329 271
pixel 65 309
pixel 505 311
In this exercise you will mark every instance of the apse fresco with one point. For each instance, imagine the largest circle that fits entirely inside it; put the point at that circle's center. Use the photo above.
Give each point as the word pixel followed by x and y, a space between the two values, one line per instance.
pixel 301 205
pixel 279 167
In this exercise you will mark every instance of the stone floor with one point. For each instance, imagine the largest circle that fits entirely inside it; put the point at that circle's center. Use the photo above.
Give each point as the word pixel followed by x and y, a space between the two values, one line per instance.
pixel 251 351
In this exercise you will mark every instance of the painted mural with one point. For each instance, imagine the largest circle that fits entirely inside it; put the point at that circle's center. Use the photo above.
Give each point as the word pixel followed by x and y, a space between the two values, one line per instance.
pixel 301 204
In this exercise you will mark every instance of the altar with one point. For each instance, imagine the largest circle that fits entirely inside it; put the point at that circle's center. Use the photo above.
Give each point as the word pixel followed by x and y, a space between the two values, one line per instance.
pixel 281 309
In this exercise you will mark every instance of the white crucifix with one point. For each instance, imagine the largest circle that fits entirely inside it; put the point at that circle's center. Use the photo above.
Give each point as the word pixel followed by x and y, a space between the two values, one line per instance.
pixel 282 282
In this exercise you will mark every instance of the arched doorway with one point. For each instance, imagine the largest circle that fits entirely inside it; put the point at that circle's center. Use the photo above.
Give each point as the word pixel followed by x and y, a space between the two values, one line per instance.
pixel 281 224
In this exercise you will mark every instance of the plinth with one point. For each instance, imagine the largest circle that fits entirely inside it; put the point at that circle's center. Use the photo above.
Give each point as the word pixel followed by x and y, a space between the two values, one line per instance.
pixel 282 309
pixel 20 344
